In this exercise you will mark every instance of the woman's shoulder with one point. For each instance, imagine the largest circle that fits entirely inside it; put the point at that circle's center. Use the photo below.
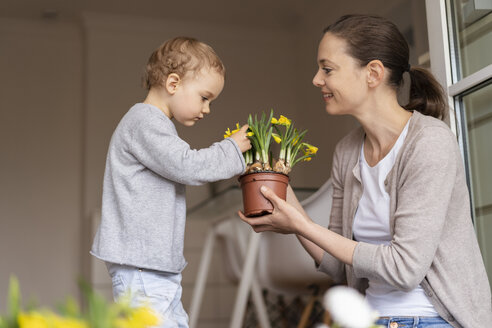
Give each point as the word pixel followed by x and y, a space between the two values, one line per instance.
pixel 424 127
pixel 352 140
pixel 429 139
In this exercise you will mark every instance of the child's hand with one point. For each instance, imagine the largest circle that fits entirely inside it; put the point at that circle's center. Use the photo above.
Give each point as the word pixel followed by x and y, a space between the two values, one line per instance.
pixel 242 139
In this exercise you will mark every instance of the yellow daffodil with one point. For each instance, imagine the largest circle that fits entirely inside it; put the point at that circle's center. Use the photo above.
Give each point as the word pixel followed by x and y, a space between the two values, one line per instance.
pixel 229 133
pixel 32 320
pixel 250 134
pixel 277 138
pixel 307 159
pixel 59 322
pixel 310 150
pixel 284 120
pixel 281 121
pixel 139 318
pixel 48 319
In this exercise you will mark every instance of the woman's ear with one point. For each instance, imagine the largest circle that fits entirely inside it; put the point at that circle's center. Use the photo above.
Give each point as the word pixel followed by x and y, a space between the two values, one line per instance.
pixel 375 73
pixel 172 82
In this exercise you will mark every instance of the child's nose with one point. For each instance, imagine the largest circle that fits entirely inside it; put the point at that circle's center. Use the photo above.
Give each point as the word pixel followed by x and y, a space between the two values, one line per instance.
pixel 206 109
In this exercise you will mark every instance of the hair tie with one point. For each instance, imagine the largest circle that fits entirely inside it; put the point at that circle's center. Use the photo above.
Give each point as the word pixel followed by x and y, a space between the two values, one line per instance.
pixel 407 69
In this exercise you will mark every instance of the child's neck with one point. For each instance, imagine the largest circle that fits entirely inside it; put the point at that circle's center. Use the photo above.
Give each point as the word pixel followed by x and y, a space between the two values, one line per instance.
pixel 154 98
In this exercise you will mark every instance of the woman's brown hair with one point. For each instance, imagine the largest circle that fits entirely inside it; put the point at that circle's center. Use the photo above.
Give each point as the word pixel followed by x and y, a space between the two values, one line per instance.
pixel 376 38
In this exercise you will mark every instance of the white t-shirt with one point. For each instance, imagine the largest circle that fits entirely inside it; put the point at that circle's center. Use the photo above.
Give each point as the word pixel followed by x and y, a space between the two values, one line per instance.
pixel 371 225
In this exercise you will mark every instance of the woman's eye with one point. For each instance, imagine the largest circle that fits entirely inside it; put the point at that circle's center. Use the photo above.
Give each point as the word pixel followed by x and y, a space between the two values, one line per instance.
pixel 326 70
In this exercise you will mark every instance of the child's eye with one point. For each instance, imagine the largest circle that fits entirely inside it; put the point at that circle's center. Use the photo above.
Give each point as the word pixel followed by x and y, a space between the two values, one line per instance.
pixel 326 70
pixel 204 98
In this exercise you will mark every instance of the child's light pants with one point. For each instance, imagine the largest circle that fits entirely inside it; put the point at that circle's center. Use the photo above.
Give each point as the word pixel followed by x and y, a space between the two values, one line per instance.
pixel 159 290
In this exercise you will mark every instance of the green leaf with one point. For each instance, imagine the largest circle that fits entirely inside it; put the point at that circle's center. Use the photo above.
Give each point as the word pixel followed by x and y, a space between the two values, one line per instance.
pixel 13 304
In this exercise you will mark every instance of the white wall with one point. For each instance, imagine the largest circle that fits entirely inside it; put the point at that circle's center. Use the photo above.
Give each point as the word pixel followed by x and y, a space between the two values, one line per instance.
pixel 40 142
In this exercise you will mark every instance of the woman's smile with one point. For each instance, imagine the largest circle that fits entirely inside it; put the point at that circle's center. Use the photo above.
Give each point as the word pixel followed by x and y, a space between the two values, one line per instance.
pixel 327 96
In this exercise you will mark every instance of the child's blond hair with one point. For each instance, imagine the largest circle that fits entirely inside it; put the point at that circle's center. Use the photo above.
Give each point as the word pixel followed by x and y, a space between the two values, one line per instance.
pixel 180 55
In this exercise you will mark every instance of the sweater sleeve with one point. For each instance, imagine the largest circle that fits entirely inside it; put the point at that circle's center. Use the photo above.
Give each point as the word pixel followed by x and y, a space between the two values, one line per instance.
pixel 329 264
pixel 158 147
pixel 424 191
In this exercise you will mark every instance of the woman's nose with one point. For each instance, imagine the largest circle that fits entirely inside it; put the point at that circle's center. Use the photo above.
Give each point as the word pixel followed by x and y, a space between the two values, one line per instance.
pixel 317 81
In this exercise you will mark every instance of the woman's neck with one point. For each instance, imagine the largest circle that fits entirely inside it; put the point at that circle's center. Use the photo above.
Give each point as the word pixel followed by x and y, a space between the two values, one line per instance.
pixel 383 124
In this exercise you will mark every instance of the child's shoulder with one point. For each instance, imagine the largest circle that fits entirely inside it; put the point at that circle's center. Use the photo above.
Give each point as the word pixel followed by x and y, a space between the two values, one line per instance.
pixel 141 115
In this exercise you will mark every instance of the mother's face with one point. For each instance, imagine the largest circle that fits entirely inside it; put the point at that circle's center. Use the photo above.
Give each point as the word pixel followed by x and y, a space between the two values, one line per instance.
pixel 340 77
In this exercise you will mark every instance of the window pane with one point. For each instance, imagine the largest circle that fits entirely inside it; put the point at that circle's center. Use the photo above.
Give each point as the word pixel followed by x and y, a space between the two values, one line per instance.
pixel 471 37
pixel 478 109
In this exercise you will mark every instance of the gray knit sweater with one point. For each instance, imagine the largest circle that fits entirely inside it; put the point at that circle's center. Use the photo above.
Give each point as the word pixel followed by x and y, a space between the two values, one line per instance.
pixel 434 242
pixel 143 205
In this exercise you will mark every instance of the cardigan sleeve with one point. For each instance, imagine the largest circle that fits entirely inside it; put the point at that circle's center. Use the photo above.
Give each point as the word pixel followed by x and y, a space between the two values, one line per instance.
pixel 329 264
pixel 425 185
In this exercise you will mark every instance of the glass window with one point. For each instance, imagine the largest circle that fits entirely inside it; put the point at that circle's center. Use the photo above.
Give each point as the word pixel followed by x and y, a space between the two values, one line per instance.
pixel 471 38
pixel 469 82
pixel 477 107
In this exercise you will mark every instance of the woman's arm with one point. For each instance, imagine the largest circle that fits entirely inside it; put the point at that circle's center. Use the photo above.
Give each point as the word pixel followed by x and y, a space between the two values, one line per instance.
pixel 314 250
pixel 289 217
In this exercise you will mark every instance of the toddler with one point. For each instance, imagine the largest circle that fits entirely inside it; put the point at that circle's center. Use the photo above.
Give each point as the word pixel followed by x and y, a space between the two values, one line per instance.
pixel 141 234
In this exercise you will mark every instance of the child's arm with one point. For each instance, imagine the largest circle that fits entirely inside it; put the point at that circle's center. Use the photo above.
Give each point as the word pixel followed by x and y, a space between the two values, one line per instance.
pixel 157 146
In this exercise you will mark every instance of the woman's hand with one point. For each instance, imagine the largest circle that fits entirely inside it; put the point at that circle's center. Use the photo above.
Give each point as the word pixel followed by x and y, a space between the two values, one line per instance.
pixel 285 218
pixel 289 217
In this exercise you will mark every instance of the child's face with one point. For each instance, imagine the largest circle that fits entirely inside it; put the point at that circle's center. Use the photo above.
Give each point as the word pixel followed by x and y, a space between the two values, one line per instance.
pixel 194 94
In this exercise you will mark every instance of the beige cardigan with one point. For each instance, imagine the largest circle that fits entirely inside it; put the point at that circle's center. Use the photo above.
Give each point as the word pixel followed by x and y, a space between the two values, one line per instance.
pixel 434 242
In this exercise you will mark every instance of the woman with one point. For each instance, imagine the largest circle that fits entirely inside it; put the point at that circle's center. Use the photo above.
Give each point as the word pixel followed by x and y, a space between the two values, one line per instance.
pixel 400 228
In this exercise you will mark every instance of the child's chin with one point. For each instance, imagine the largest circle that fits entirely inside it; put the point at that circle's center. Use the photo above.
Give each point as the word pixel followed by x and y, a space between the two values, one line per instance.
pixel 189 123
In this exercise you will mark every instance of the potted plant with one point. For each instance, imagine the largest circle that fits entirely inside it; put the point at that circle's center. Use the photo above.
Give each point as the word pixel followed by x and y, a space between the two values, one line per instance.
pixel 262 169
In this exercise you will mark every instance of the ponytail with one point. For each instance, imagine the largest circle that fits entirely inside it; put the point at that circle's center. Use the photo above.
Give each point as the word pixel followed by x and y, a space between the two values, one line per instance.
pixel 426 94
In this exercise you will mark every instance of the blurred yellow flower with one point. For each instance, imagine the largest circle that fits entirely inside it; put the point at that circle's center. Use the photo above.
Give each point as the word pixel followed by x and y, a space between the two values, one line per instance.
pixel 36 319
pixel 59 322
pixel 100 314
pixel 307 159
pixel 142 317
pixel 32 320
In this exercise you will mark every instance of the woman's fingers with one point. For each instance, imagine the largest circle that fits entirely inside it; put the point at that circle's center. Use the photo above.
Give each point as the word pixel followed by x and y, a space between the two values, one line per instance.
pixel 271 196
pixel 255 221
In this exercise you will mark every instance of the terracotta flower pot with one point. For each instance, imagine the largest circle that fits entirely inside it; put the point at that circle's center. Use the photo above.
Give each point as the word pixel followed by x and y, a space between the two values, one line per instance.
pixel 255 204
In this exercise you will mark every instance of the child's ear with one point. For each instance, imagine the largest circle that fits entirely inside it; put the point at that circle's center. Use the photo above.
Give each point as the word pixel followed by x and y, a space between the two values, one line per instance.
pixel 172 82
